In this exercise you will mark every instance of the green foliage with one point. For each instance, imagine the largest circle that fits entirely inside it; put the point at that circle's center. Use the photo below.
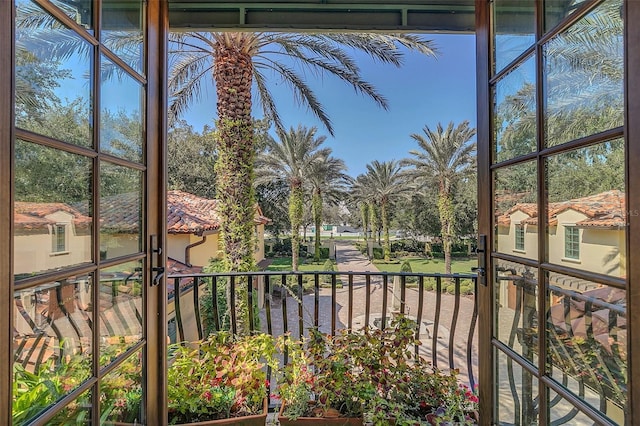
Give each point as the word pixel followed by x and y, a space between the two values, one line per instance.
pixel 378 253
pixel 223 376
pixel 373 374
pixel 191 158
pixel 224 319
pixel 120 391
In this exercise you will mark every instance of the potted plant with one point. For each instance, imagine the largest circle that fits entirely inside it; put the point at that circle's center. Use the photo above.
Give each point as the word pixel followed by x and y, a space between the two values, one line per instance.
pixel 372 376
pixel 221 380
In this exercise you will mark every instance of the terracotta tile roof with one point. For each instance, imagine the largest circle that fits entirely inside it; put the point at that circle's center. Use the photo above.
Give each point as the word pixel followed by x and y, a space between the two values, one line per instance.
pixel 529 209
pixel 603 210
pixel 31 215
pixel 175 267
pixel 190 214
pixel 186 213
pixel 120 214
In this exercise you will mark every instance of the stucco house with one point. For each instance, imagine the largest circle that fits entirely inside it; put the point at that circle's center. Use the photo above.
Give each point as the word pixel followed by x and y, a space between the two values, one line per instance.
pixel 193 227
pixel 587 231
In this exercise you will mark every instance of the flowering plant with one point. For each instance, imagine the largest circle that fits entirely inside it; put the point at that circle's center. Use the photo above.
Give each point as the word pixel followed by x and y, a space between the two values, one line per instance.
pixel 374 374
pixel 222 377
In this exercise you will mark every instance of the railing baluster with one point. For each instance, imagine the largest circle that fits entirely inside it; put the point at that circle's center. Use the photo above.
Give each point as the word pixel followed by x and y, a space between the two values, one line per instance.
pixel 333 304
pixel 267 303
pixel 176 304
pixel 285 322
pixel 300 310
pixel 316 300
pixel 367 307
pixel 250 303
pixel 472 329
pixel 403 293
pixel 385 290
pixel 436 322
pixel 232 304
pixel 196 306
pixel 419 313
pixel 454 322
pixel 283 298
pixel 350 301
pixel 214 303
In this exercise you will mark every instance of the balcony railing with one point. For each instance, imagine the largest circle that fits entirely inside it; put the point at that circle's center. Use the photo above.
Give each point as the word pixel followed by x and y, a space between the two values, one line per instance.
pixel 443 306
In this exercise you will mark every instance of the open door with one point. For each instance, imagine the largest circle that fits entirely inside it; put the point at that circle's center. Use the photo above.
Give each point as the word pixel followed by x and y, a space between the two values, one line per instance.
pixel 556 208
pixel 83 203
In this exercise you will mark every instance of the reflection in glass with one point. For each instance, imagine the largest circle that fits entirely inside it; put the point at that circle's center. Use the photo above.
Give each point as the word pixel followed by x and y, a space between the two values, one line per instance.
pixel 587 339
pixel 587 209
pixel 80 12
pixel 584 70
pixel 121 109
pixel 562 412
pixel 52 209
pixel 514 100
pixel 516 212
pixel 53 91
pixel 120 309
pixel 120 211
pixel 514 29
pixel 516 322
pixel 516 393
pixel 51 343
pixel 77 412
pixel 121 30
pixel 121 392
pixel 556 10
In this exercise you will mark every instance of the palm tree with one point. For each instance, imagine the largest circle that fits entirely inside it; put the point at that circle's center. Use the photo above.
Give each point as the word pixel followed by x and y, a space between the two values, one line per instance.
pixel 386 183
pixel 291 160
pixel 327 181
pixel 238 63
pixel 445 157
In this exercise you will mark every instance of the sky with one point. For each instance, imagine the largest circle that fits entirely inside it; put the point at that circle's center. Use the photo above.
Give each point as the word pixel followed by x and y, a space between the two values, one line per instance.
pixel 425 91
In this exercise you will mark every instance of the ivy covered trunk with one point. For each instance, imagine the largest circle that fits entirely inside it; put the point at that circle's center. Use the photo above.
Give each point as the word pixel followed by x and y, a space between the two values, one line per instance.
pixel 385 230
pixel 317 218
pixel 373 220
pixel 445 209
pixel 233 71
pixel 364 212
pixel 295 217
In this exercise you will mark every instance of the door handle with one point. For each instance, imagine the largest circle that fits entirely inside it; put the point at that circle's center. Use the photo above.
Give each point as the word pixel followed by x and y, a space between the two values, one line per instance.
pixel 481 269
pixel 156 252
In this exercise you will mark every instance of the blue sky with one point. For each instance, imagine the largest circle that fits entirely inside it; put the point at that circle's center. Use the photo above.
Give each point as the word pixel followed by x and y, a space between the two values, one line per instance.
pixel 424 91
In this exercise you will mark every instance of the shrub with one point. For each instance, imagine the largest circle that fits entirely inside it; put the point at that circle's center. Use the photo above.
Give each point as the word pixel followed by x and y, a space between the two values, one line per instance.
pixel 378 253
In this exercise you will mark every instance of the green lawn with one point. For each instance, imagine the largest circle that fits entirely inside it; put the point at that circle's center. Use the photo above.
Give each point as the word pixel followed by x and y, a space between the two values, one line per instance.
pixel 284 264
pixel 430 265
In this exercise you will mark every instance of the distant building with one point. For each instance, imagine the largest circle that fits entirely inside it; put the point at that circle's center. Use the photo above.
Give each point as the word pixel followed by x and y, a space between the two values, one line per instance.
pixel 587 232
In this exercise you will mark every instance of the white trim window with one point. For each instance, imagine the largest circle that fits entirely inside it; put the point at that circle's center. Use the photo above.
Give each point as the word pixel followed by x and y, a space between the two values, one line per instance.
pixel 59 238
pixel 519 243
pixel 571 242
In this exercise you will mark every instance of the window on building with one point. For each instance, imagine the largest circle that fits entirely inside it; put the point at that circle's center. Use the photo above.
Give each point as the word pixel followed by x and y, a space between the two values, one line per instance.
pixel 571 242
pixel 59 238
pixel 520 237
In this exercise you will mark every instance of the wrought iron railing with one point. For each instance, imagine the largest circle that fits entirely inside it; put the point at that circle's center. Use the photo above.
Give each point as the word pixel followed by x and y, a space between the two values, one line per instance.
pixel 443 306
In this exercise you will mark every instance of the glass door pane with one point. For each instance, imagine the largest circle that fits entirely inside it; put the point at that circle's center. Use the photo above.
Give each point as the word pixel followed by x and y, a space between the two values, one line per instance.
pixel 559 213
pixel 79 254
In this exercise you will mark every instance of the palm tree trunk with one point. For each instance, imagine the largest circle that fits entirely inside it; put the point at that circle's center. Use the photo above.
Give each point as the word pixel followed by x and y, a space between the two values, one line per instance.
pixel 385 231
pixel 317 217
pixel 445 209
pixel 234 167
pixel 295 217
pixel 365 220
pixel 373 220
